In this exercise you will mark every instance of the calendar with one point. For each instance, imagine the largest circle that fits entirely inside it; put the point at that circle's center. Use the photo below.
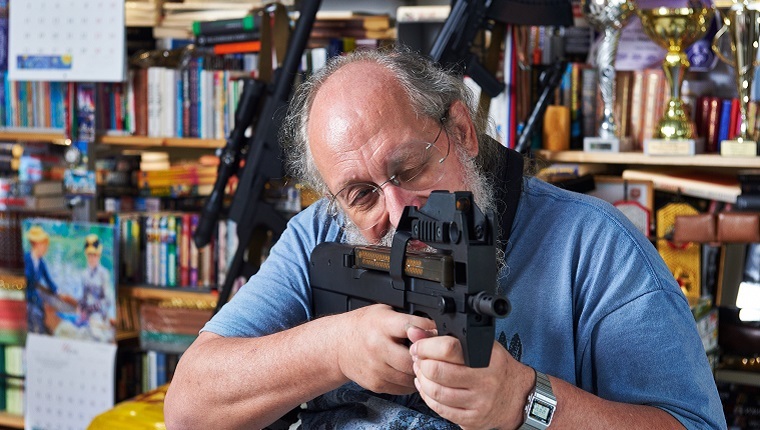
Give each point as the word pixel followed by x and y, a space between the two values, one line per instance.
pixel 68 382
pixel 67 40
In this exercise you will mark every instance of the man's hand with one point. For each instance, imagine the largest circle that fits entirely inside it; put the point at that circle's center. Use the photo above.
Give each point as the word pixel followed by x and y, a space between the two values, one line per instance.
pixel 375 353
pixel 491 397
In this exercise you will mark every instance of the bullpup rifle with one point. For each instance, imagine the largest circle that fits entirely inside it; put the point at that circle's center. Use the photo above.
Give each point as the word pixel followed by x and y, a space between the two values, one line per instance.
pixel 455 286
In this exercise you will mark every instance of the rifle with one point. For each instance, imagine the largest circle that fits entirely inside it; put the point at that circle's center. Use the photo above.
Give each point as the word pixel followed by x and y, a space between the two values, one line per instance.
pixel 248 209
pixel 456 287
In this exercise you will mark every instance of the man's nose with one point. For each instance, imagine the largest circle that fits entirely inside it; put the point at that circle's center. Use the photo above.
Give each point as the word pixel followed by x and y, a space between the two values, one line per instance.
pixel 396 199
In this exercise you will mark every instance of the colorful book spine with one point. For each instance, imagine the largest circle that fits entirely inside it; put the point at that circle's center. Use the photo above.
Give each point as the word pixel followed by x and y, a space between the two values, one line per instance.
pixel 226 26
pixel 724 125
pixel 184 253
pixel 193 252
pixel 171 250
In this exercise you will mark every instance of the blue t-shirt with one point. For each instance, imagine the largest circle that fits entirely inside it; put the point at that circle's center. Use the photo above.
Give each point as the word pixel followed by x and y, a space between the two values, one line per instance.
pixel 592 303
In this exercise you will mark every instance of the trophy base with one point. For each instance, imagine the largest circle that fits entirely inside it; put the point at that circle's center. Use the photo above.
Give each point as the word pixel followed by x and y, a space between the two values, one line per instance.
pixel 607 144
pixel 674 146
pixel 736 148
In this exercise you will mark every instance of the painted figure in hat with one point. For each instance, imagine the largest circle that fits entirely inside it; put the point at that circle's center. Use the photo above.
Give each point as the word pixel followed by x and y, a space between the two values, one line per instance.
pixel 95 304
pixel 37 278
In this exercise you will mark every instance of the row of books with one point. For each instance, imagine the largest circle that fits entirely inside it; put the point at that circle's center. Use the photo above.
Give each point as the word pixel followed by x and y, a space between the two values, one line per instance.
pixel 12 361
pixel 172 325
pixel 141 371
pixel 157 249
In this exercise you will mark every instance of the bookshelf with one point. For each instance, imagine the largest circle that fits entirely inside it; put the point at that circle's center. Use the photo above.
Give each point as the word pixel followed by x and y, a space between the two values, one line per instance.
pixel 638 158
pixel 132 141
pixel 10 421
pixel 166 293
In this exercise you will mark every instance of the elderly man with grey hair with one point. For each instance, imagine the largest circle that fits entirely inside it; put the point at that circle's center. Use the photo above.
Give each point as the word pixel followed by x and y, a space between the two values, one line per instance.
pixel 600 335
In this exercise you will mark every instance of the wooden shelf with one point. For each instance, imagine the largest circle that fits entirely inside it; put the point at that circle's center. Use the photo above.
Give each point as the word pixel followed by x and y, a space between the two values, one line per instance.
pixel 134 141
pixel 16 135
pixel 164 293
pixel 126 335
pixel 742 377
pixel 175 142
pixel 700 160
pixel 11 421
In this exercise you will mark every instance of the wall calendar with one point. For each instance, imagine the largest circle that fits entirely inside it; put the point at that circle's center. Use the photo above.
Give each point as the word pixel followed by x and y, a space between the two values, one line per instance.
pixel 67 40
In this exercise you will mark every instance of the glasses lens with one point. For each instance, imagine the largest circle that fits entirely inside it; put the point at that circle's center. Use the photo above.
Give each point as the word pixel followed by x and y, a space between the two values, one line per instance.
pixel 419 167
pixel 415 166
pixel 363 203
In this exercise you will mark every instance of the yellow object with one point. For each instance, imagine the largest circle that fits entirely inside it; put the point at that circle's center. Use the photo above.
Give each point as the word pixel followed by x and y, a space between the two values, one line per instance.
pixel 556 136
pixel 36 234
pixel 144 412
pixel 682 259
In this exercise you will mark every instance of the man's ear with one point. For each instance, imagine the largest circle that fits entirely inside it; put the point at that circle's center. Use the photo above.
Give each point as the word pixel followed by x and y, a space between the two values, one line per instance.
pixel 462 128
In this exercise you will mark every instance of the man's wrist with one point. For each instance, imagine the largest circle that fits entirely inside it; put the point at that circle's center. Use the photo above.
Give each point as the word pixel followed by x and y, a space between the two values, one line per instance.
pixel 541 404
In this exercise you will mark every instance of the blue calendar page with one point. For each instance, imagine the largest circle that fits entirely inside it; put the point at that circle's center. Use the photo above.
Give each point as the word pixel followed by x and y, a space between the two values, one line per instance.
pixel 67 40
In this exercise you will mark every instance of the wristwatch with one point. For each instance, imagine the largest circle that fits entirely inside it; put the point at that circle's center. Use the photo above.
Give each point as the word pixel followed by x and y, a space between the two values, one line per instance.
pixel 539 410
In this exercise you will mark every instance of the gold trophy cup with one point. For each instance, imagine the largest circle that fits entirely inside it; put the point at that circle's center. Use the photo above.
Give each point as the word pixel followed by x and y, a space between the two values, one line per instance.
pixel 742 23
pixel 675 29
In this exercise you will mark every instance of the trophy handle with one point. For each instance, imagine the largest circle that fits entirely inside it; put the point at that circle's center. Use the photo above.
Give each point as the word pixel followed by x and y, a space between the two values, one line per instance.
pixel 716 47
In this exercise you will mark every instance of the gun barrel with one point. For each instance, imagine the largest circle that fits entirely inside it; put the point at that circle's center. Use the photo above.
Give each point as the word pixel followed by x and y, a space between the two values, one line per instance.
pixel 490 305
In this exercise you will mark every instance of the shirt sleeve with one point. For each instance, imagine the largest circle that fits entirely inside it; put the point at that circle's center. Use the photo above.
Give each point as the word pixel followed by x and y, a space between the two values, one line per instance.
pixel 278 296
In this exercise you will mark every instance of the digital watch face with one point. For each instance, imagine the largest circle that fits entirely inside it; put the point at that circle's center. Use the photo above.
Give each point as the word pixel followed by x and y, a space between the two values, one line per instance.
pixel 541 411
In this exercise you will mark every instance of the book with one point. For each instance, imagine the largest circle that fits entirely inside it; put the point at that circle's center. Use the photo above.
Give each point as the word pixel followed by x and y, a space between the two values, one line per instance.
pixel 704 185
pixel 214 39
pixel 246 23
pixel 559 171
pixel 237 47
pixel 33 203
pixel 712 124
pixel 724 124
pixel 422 13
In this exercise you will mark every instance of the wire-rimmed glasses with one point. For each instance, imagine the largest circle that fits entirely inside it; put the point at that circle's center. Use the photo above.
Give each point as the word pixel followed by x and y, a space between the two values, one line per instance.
pixel 415 166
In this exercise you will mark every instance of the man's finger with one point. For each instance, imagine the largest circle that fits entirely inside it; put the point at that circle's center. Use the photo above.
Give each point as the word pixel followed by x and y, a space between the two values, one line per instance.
pixel 415 333
pixel 443 348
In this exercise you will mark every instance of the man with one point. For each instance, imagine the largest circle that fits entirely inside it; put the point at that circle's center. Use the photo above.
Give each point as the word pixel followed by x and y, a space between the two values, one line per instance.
pixel 37 277
pixel 594 307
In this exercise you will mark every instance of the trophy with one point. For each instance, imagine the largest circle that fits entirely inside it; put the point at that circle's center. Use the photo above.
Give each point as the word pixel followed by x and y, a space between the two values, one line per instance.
pixel 742 22
pixel 675 29
pixel 608 17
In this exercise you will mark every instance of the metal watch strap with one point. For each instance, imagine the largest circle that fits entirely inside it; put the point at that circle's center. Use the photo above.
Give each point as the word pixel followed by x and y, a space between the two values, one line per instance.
pixel 542 388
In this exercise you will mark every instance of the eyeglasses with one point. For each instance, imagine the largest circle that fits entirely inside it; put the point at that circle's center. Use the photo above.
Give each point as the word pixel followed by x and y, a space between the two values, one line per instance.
pixel 416 166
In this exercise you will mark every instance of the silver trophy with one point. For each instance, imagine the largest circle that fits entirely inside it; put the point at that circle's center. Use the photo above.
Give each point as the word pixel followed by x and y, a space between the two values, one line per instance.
pixel 741 21
pixel 608 17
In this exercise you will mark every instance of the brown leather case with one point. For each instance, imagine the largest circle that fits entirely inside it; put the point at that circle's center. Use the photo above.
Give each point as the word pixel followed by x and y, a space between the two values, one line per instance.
pixel 695 228
pixel 738 227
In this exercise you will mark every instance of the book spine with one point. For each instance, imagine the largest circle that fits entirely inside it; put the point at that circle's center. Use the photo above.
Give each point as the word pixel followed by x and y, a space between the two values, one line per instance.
pixel 215 39
pixel 171 250
pixel 724 124
pixel 734 120
pixel 237 47
pixel 713 119
pixel 193 266
pixel 226 26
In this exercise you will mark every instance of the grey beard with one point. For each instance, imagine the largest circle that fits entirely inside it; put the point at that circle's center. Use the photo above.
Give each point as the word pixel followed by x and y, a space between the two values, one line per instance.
pixel 475 181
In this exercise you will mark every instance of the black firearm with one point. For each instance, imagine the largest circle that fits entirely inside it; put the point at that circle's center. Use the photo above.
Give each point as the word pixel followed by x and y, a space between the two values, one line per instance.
pixel 456 286
pixel 264 107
